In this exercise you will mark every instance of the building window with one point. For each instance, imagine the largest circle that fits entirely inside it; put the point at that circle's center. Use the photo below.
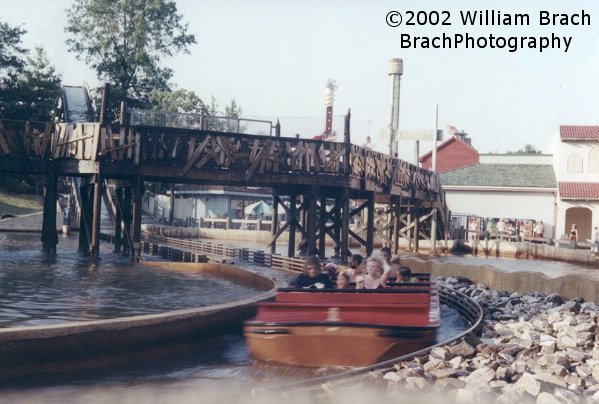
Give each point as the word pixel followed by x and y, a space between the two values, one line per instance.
pixel 574 163
pixel 594 160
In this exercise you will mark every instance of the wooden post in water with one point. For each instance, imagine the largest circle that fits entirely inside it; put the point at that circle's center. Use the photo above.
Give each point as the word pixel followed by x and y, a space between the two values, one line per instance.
pixel 127 219
pixel 137 200
pixel 292 209
pixel 322 223
pixel 87 215
pixel 370 225
pixel 312 220
pixel 275 219
pixel 97 212
pixel 344 252
pixel 49 236
pixel 416 233
pixel 171 213
pixel 118 220
pixel 434 231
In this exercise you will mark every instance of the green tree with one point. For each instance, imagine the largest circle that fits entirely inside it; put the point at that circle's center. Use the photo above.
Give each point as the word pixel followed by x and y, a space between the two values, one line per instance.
pixel 177 101
pixel 12 64
pixel 38 89
pixel 124 41
pixel 528 149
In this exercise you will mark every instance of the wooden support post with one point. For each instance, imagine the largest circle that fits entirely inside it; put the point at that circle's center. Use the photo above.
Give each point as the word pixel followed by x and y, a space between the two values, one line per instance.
pixel 409 231
pixel 171 213
pixel 104 105
pixel 322 225
pixel 434 232
pixel 344 252
pixel 87 214
pixel 396 226
pixel 127 219
pixel 97 212
pixel 312 221
pixel 370 225
pixel 123 114
pixel 137 200
pixel 118 220
pixel 49 236
pixel 416 229
pixel 290 216
pixel 275 218
pixel 337 225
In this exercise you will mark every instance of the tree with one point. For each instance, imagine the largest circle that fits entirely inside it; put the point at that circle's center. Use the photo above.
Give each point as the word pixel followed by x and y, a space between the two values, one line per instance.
pixel 38 88
pixel 11 65
pixel 528 149
pixel 177 101
pixel 125 41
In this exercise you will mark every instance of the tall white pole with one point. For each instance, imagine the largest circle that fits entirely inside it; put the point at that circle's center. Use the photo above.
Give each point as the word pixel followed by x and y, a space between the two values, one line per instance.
pixel 395 70
pixel 434 165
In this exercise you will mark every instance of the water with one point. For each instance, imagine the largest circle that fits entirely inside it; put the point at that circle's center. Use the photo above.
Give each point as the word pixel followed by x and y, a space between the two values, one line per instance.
pixel 36 291
pixel 218 369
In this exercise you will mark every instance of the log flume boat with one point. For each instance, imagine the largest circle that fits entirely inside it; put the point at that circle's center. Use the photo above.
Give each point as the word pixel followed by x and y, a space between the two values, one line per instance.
pixel 344 327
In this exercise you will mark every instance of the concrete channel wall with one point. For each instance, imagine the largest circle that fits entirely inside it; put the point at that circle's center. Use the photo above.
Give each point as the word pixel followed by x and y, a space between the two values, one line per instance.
pixel 568 286
pixel 101 343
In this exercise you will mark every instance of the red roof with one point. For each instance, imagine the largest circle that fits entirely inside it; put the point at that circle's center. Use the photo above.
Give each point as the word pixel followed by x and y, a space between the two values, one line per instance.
pixel 579 190
pixel 579 132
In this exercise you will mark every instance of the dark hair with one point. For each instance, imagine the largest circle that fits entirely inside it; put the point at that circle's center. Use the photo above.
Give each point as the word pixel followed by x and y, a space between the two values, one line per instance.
pixel 357 258
pixel 405 272
pixel 386 249
pixel 312 260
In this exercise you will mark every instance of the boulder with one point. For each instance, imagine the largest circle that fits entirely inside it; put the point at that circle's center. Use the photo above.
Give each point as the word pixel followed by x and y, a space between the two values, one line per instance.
pixel 547 398
pixel 440 353
pixel 480 377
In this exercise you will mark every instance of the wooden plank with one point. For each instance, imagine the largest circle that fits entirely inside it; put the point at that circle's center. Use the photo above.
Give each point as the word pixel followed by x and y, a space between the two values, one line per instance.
pixel 257 160
pixel 196 155
pixel 122 136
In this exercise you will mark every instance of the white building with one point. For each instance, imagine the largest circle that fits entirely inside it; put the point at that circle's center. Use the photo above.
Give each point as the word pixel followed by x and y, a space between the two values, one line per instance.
pixel 576 162
pixel 504 186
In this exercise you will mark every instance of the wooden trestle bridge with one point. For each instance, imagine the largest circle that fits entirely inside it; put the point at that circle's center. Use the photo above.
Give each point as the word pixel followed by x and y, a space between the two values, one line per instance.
pixel 321 186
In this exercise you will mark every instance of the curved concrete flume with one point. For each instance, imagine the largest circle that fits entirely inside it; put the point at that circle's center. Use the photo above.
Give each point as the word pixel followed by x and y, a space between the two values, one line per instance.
pixel 101 343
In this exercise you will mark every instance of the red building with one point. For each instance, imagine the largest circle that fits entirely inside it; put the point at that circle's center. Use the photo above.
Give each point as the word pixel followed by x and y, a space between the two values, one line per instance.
pixel 455 152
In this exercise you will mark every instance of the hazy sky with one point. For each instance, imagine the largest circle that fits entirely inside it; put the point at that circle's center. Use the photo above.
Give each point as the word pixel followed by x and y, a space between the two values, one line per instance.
pixel 274 59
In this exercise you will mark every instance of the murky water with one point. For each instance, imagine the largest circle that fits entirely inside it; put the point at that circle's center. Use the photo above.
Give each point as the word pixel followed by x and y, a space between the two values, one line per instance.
pixel 218 369
pixel 36 291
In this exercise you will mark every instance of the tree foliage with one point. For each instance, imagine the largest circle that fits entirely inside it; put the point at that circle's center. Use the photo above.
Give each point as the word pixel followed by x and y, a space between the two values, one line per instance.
pixel 177 101
pixel 124 41
pixel 528 149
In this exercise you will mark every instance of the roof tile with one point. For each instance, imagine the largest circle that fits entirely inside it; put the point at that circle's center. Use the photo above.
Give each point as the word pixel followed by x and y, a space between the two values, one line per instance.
pixel 579 132
pixel 579 190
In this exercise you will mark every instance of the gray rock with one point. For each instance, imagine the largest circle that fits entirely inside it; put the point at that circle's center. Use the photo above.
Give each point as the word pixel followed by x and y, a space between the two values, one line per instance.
pixel 555 299
pixel 463 349
pixel 566 396
pixel 480 377
pixel 435 364
pixel 440 353
pixel 547 398
pixel 450 383
pixel 416 383
pixel 529 384
pixel 444 373
pixel 392 377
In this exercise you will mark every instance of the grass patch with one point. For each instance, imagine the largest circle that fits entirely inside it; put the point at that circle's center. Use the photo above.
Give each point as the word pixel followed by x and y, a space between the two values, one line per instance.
pixel 19 204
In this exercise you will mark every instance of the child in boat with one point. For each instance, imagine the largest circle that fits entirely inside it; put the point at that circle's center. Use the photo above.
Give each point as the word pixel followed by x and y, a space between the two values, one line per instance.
pixel 312 277
pixel 330 269
pixel 401 273
pixel 374 269
pixel 342 280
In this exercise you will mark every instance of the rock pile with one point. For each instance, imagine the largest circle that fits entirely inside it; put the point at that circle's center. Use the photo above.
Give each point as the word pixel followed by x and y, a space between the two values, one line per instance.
pixel 534 348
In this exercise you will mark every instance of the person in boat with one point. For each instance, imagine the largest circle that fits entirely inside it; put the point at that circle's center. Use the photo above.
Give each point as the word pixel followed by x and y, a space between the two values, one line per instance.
pixel 385 255
pixel 342 281
pixel 374 271
pixel 355 270
pixel 402 274
pixel 312 276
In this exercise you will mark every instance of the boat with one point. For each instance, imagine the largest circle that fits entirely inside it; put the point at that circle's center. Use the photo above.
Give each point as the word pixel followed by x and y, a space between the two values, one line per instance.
pixel 344 327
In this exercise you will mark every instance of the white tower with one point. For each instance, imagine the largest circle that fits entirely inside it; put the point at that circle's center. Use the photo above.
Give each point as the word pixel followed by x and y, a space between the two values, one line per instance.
pixel 395 70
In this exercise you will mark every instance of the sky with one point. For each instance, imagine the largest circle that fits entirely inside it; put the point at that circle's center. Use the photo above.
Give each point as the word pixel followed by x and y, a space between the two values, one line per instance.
pixel 275 57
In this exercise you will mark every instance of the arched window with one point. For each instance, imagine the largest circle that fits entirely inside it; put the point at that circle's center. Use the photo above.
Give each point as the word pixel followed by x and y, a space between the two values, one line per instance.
pixel 594 160
pixel 574 163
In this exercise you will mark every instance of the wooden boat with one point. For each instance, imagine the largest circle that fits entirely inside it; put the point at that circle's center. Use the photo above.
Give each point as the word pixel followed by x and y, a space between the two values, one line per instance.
pixel 345 327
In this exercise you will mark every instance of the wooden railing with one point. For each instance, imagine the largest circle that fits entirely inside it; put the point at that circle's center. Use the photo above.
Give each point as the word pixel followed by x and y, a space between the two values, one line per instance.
pixel 25 139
